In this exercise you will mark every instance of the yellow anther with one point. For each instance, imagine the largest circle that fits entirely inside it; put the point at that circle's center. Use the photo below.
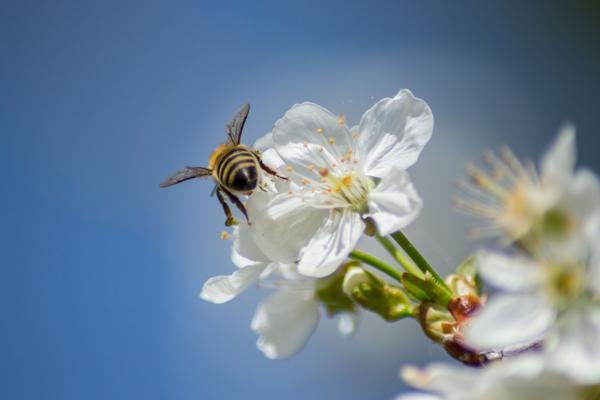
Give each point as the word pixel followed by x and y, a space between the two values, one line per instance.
pixel 319 130
pixel 341 119
pixel 331 140
pixel 289 168
pixel 311 167
pixel 347 181
pixel 304 181
pixel 354 135
pixel 323 172
pixel 224 235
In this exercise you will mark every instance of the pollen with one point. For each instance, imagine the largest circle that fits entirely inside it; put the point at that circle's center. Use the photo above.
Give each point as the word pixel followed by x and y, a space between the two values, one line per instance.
pixel 311 167
pixel 304 181
pixel 333 165
pixel 331 141
pixel 354 135
pixel 323 172
pixel 341 120
pixel 319 130
pixel 224 235
pixel 289 168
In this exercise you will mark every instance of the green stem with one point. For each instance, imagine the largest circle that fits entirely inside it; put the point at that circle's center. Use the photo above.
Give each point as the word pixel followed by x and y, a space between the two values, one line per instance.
pixel 376 263
pixel 399 256
pixel 414 254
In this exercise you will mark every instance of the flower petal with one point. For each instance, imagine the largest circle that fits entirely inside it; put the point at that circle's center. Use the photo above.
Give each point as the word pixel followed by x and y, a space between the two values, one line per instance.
pixel 558 163
pixel 453 381
pixel 582 200
pixel 284 322
pixel 309 134
pixel 393 132
pixel 394 203
pixel 508 320
pixel 347 323
pixel 331 244
pixel 244 251
pixel 221 289
pixel 264 142
pixel 285 226
pixel 510 273
pixel 574 348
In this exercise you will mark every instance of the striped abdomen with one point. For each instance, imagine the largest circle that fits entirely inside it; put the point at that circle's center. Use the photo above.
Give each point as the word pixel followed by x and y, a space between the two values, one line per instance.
pixel 238 170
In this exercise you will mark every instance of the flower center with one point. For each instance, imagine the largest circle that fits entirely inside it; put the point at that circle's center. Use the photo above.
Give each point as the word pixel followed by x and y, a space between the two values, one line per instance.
pixel 565 285
pixel 350 190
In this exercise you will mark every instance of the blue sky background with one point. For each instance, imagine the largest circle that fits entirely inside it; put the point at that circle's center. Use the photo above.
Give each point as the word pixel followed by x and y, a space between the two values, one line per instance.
pixel 99 101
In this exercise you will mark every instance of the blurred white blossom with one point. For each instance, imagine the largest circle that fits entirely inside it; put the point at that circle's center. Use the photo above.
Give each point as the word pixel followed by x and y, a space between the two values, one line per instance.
pixel 522 378
pixel 521 205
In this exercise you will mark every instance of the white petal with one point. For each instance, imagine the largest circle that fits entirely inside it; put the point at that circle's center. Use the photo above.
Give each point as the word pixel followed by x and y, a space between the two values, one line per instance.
pixel 394 203
pixel 453 381
pixel 574 347
pixel 331 244
pixel 594 267
pixel 393 132
pixel 347 323
pixel 508 320
pixel 419 396
pixel 245 251
pixel 265 142
pixel 510 273
pixel 559 161
pixel 285 226
pixel 302 138
pixel 221 289
pixel 284 322
pixel 582 200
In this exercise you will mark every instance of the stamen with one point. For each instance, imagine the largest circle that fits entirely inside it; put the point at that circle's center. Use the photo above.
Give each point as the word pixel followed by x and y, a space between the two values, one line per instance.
pixel 323 172
pixel 224 235
pixel 341 120
pixel 289 168
pixel 319 130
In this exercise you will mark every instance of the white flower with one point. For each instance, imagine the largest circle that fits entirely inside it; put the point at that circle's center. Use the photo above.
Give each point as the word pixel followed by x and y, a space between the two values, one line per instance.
pixel 286 320
pixel 519 204
pixel 554 298
pixel 521 378
pixel 341 177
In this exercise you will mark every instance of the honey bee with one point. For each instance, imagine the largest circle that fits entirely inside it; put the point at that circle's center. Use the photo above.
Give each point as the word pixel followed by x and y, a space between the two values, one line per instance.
pixel 235 168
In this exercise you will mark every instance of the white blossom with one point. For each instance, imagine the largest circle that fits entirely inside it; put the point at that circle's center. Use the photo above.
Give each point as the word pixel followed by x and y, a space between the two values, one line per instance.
pixel 554 298
pixel 519 204
pixel 341 177
pixel 521 378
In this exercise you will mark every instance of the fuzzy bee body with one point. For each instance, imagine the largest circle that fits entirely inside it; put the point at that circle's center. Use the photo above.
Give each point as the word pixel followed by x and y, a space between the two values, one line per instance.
pixel 236 168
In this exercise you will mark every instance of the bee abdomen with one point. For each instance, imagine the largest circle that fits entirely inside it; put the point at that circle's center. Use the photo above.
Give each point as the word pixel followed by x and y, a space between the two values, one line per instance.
pixel 238 170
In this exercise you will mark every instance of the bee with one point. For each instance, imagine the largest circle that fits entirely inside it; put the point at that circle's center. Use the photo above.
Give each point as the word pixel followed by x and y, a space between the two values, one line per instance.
pixel 235 168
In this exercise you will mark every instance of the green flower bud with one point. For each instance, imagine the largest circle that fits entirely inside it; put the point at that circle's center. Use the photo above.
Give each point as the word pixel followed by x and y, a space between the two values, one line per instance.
pixel 374 294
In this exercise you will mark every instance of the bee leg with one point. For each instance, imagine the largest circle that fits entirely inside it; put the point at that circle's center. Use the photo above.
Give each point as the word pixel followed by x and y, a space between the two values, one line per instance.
pixel 226 208
pixel 270 171
pixel 233 198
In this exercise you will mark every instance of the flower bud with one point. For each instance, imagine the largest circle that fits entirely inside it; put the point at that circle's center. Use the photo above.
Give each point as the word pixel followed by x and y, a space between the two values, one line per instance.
pixel 374 294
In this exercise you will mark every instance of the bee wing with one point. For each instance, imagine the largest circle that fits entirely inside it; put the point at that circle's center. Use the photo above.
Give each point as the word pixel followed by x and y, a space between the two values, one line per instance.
pixel 184 174
pixel 236 125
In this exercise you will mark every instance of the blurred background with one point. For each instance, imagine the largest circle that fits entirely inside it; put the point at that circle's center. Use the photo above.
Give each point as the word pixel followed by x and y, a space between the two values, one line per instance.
pixel 99 101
